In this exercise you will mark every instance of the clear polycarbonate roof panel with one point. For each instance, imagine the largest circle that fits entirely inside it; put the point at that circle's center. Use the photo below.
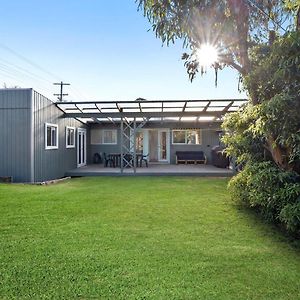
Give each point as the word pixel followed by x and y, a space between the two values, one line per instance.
pixel 152 110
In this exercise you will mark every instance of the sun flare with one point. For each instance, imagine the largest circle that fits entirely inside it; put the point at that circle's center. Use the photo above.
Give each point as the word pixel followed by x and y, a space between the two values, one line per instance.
pixel 207 55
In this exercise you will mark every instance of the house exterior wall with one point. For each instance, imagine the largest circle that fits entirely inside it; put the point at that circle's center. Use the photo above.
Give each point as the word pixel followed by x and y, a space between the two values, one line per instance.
pixel 52 163
pixel 15 132
pixel 210 138
pixel 100 148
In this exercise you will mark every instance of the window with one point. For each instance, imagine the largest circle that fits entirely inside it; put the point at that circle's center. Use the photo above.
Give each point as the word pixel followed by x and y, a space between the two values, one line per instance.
pixel 103 136
pixel 70 137
pixel 51 136
pixel 193 137
pixel 187 137
pixel 178 136
pixel 109 137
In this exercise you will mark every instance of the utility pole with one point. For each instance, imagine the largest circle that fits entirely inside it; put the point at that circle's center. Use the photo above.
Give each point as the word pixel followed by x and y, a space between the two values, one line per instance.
pixel 60 96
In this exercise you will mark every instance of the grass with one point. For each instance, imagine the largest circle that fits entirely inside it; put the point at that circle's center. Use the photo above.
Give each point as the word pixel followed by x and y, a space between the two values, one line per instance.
pixel 139 238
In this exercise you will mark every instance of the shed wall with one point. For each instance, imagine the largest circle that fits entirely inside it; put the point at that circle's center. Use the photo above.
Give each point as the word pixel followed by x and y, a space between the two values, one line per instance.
pixel 53 163
pixel 15 128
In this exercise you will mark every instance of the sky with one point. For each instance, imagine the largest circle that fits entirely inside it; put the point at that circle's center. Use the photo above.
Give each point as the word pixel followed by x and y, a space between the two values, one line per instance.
pixel 106 50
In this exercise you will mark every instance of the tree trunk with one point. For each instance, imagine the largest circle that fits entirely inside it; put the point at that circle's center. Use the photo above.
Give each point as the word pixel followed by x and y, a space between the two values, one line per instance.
pixel 240 12
pixel 298 19
pixel 279 154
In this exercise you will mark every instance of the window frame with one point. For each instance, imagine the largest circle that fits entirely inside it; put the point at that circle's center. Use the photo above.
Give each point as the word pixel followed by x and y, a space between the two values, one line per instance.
pixel 184 143
pixel 185 137
pixel 74 133
pixel 102 136
pixel 46 136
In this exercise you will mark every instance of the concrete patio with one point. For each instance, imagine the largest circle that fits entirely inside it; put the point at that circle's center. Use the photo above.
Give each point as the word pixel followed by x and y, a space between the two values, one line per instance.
pixel 153 170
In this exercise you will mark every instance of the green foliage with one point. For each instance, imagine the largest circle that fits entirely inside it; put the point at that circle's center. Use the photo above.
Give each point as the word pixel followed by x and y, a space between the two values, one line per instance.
pixel 290 216
pixel 292 5
pixel 276 79
pixel 280 119
pixel 275 193
pixel 232 26
pixel 241 137
pixel 275 69
pixel 254 132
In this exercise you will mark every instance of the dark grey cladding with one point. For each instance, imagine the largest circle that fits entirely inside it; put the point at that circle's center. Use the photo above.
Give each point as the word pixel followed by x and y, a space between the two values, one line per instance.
pixel 23 114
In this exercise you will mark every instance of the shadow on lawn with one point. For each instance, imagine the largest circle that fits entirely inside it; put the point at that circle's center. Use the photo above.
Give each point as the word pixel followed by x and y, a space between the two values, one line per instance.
pixel 273 231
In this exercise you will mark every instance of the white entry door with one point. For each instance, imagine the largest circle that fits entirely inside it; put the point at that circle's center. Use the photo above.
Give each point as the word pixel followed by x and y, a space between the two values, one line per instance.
pixel 159 145
pixel 163 145
pixel 81 147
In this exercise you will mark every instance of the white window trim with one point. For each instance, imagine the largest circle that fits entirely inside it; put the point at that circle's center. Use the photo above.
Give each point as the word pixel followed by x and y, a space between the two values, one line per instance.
pixel 70 146
pixel 51 147
pixel 102 137
pixel 185 138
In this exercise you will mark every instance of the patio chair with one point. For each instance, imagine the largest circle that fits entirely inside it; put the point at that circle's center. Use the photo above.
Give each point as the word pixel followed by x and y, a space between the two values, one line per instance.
pixel 108 160
pixel 145 159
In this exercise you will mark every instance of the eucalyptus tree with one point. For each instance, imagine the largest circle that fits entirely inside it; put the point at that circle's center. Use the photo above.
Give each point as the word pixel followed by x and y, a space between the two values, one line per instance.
pixel 261 40
pixel 233 32
pixel 231 27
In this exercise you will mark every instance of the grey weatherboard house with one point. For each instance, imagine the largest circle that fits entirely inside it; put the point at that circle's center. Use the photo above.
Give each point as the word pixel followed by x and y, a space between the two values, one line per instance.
pixel 41 140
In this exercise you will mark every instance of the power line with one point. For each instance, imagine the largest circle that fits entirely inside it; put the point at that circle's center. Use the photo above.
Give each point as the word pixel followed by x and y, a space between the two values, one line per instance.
pixel 18 76
pixel 27 60
pixel 35 65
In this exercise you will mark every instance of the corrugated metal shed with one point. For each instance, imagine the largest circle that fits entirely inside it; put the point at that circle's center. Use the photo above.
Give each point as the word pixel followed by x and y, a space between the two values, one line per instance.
pixel 23 114
pixel 15 128
pixel 51 164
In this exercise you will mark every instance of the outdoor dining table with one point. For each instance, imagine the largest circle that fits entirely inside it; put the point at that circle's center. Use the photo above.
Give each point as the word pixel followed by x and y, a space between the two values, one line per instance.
pixel 116 158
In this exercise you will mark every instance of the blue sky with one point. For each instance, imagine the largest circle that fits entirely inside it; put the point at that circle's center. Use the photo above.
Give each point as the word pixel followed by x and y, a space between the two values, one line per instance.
pixel 103 48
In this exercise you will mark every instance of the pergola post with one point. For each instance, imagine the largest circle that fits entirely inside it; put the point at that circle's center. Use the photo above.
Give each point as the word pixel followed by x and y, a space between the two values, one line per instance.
pixel 121 146
pixel 128 144
pixel 134 145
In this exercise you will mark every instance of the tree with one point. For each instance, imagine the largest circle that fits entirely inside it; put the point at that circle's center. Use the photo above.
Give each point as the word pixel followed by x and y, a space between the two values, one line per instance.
pixel 235 27
pixel 265 134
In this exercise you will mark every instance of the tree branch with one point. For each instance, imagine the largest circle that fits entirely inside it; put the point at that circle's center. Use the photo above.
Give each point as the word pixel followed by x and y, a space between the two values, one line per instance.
pixel 234 65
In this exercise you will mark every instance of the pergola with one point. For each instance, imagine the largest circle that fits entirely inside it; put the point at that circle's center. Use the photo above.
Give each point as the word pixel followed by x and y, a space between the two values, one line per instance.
pixel 133 115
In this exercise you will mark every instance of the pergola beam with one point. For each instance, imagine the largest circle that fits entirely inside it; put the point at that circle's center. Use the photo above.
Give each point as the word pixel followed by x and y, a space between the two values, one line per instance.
pixel 144 114
pixel 207 106
pixel 183 109
pixel 161 108
pixel 118 107
pixel 149 101
pixel 97 108
pixel 225 110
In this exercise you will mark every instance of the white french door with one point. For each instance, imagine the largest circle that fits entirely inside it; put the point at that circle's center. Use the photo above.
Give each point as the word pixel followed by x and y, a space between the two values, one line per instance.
pixel 81 147
pixel 159 145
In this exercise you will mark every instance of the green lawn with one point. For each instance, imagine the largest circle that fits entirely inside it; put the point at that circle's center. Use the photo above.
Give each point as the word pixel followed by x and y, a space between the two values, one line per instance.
pixel 139 238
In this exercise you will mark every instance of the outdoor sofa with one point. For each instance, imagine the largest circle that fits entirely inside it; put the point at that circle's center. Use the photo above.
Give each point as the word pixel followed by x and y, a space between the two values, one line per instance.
pixel 190 157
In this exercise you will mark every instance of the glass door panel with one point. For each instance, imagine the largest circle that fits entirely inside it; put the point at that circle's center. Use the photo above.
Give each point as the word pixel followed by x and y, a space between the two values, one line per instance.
pixel 81 148
pixel 162 145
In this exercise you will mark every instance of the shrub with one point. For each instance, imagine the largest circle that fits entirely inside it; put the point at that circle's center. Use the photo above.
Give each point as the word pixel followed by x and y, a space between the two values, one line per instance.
pixel 275 193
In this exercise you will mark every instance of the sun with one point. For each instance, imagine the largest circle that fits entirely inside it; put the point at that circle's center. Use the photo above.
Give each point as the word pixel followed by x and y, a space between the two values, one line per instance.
pixel 207 55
